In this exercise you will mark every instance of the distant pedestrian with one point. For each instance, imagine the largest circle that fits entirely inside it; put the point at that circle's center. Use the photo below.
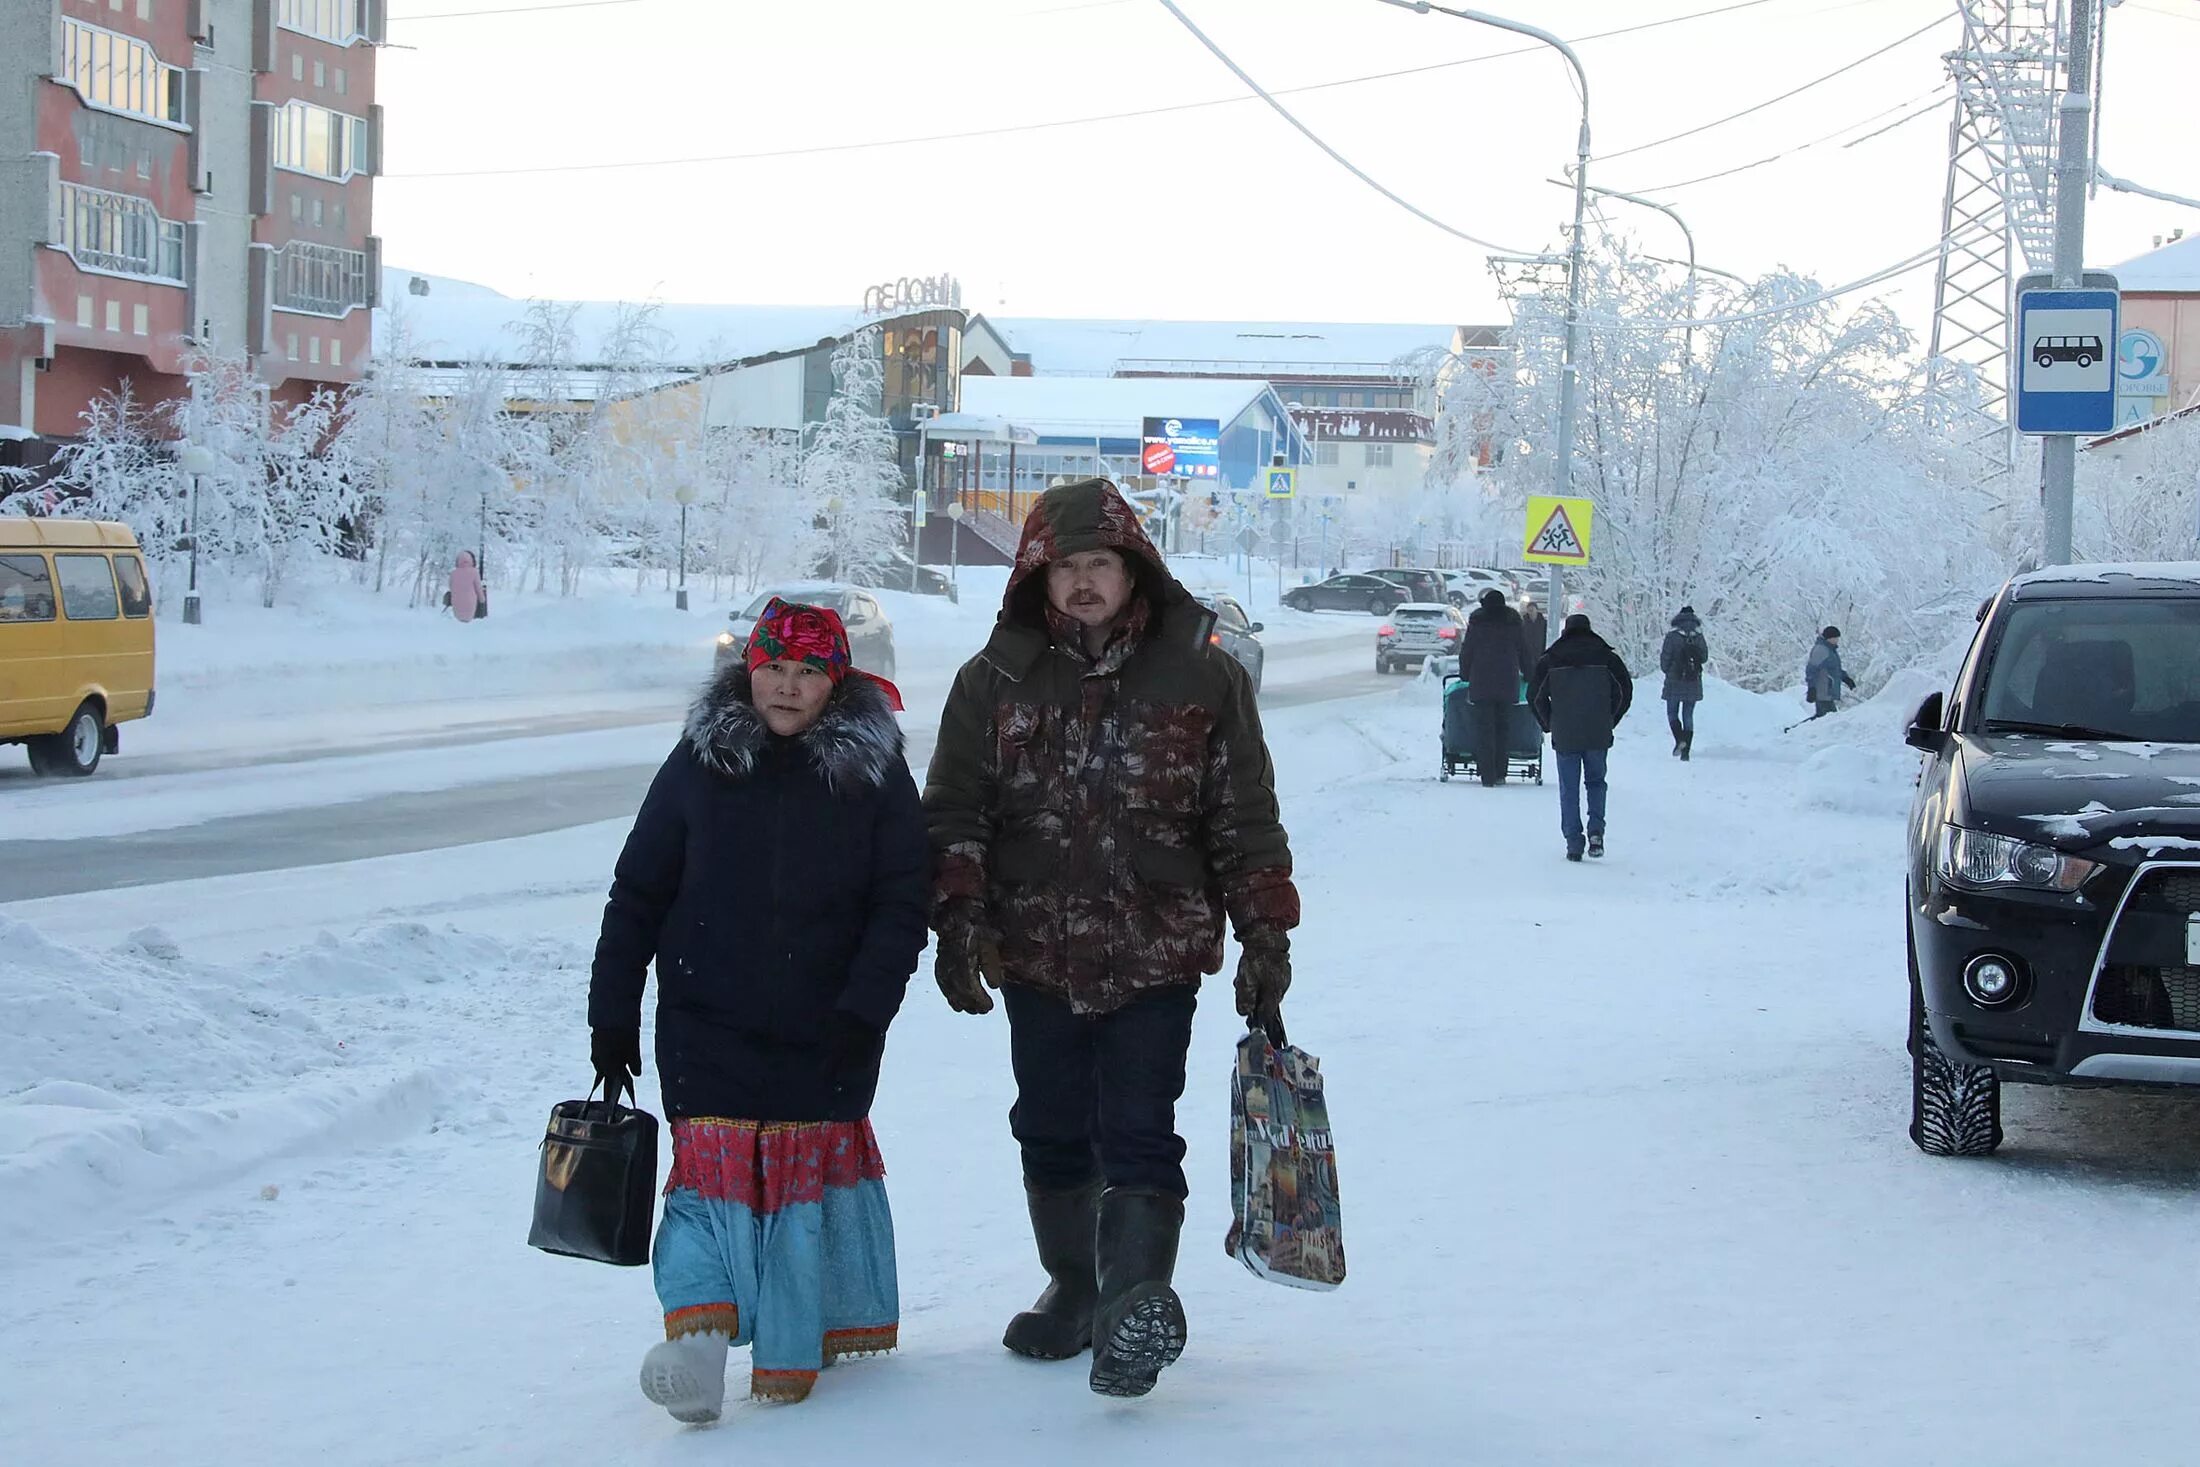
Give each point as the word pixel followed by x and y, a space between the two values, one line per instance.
pixel 1535 632
pixel 1492 660
pixel 467 596
pixel 1823 676
pixel 1581 691
pixel 1682 659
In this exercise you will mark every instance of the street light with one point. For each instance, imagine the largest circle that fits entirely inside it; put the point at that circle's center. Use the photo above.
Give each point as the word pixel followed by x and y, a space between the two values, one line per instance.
pixel 1686 234
pixel 955 514
pixel 1569 370
pixel 686 495
pixel 194 460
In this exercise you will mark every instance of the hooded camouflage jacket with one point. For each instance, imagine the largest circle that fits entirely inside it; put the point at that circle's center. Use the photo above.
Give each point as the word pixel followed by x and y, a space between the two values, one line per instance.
pixel 1108 812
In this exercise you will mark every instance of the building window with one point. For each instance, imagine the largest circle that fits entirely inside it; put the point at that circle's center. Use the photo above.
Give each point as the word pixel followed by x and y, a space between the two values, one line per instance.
pixel 310 139
pixel 145 9
pixel 119 73
pixel 297 67
pixel 340 81
pixel 297 206
pixel 340 21
pixel 84 311
pixel 316 211
pixel 313 350
pixel 290 346
pixel 1325 454
pixel 120 233
pixel 320 280
pixel 1378 455
pixel 336 351
pixel 114 315
pixel 145 163
pixel 140 321
pixel 320 74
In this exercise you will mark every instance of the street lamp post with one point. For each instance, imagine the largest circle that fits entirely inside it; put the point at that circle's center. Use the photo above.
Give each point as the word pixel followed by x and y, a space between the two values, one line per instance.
pixel 954 550
pixel 194 461
pixel 1686 233
pixel 1569 369
pixel 686 495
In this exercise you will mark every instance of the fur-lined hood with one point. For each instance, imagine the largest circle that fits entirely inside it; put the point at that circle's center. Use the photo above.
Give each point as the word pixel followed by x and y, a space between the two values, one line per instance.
pixel 853 744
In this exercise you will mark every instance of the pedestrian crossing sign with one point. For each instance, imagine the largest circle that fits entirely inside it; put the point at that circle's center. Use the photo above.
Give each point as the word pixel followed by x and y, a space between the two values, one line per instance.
pixel 1280 483
pixel 1558 530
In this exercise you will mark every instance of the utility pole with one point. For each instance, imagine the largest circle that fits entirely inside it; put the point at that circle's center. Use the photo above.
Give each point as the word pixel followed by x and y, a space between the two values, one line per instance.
pixel 1569 367
pixel 2073 170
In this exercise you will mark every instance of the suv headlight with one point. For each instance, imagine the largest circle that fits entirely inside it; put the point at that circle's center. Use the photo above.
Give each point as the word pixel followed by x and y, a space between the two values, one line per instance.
pixel 1973 858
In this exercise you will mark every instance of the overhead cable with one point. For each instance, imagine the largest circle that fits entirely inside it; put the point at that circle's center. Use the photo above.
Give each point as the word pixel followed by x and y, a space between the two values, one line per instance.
pixel 1929 26
pixel 1931 100
pixel 2126 186
pixel 1089 120
pixel 1315 138
pixel 511 10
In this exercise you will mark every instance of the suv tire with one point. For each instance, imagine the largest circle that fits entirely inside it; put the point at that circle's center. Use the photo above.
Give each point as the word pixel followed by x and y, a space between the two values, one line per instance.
pixel 1955 1109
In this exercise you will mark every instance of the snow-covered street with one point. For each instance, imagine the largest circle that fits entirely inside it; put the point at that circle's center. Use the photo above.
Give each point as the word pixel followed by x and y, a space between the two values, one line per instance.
pixel 1622 1153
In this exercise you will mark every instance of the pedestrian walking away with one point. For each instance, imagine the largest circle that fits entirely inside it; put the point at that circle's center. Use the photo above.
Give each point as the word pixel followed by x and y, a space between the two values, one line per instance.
pixel 1581 691
pixel 1492 661
pixel 1100 798
pixel 1823 676
pixel 1535 633
pixel 778 875
pixel 1682 659
pixel 467 599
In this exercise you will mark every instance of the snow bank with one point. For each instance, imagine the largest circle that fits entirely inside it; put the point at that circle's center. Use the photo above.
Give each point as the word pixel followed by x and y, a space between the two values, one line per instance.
pixel 1859 763
pixel 130 1075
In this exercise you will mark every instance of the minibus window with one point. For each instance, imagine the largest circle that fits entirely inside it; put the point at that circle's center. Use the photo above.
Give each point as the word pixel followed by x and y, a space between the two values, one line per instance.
pixel 87 587
pixel 26 591
pixel 137 596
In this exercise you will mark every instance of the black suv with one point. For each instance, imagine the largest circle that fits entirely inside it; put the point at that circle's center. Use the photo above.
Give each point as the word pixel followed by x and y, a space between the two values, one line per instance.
pixel 2054 884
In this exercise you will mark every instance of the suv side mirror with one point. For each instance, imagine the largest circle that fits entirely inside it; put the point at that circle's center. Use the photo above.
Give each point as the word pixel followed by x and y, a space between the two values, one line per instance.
pixel 1925 731
pixel 1257 626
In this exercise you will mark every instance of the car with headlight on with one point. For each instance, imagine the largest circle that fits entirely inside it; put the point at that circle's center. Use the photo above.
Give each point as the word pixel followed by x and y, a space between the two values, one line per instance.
pixel 1417 631
pixel 2054 866
pixel 870 630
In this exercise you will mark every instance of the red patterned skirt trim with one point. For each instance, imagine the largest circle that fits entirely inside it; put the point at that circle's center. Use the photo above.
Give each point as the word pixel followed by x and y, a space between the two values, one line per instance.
pixel 767 1165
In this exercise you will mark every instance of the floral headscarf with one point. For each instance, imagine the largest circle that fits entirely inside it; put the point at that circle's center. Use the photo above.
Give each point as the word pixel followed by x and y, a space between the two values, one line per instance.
pixel 789 631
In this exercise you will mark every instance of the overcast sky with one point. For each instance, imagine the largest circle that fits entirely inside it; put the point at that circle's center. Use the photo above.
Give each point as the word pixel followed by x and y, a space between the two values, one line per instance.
pixel 1213 212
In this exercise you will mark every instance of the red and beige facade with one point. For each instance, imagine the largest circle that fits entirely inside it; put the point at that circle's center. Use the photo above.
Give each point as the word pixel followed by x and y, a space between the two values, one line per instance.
pixel 177 178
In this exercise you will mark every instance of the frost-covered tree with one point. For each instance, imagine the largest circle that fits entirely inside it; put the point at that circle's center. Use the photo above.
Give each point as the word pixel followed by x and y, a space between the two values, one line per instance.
pixel 850 477
pixel 117 468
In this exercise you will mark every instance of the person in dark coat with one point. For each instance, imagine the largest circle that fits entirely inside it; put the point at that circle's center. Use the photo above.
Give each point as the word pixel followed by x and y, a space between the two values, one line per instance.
pixel 1101 801
pixel 778 876
pixel 1581 691
pixel 1492 660
pixel 1823 676
pixel 1682 659
pixel 1535 632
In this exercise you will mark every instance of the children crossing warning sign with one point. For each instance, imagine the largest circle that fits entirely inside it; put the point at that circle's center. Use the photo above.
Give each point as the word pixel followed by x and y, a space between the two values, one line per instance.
pixel 1558 530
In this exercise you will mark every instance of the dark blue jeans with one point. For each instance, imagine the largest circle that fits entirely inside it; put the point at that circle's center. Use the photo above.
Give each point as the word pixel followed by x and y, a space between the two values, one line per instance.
pixel 1097 1093
pixel 1681 713
pixel 1571 770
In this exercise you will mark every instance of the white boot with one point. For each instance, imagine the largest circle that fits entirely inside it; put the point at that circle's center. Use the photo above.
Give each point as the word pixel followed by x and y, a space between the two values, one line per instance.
pixel 687 1377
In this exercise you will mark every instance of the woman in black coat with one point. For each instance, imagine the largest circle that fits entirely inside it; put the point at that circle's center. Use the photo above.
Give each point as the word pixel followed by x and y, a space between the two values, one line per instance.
pixel 777 875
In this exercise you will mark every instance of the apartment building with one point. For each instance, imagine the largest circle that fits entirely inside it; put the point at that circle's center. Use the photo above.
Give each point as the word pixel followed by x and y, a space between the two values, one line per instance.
pixel 181 177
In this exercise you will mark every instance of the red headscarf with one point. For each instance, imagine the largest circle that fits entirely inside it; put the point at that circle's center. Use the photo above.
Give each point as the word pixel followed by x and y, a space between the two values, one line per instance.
pixel 790 631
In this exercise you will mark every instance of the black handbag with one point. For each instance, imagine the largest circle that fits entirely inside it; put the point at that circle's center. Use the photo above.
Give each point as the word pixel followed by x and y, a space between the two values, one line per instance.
pixel 596 1194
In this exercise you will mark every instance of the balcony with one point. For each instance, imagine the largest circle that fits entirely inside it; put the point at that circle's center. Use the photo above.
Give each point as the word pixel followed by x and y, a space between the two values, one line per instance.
pixel 321 280
pixel 119 234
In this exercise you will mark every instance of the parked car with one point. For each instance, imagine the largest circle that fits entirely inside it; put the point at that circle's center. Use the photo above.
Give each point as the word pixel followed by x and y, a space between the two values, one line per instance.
pixel 76 640
pixel 1418 584
pixel 1349 592
pixel 2054 864
pixel 1200 574
pixel 1465 587
pixel 870 632
pixel 1417 631
pixel 1237 634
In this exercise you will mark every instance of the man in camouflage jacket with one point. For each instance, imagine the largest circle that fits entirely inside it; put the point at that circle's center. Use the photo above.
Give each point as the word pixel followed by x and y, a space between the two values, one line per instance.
pixel 1101 796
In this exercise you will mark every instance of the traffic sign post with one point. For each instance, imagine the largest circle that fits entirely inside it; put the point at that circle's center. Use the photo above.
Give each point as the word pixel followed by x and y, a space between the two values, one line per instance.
pixel 1280 483
pixel 2066 382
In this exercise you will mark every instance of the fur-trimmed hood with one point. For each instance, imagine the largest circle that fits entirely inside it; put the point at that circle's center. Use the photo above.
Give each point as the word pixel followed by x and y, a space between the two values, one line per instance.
pixel 853 744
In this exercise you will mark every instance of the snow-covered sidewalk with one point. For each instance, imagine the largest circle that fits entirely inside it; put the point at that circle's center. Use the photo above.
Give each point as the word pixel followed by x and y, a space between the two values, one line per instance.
pixel 1621 1145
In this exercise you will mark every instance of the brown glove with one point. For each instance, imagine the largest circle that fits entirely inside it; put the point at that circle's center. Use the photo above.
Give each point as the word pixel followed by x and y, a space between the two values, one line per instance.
pixel 1264 973
pixel 967 960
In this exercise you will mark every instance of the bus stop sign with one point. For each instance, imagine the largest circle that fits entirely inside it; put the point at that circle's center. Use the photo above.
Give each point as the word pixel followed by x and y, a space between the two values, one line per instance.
pixel 2066 367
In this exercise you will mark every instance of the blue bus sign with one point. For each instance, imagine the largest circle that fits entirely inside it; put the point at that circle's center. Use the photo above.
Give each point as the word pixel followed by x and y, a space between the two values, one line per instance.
pixel 2066 370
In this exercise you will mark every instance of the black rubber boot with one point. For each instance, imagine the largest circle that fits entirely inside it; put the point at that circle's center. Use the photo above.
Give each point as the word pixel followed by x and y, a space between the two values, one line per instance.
pixel 1688 745
pixel 1139 1329
pixel 1680 739
pixel 1066 1227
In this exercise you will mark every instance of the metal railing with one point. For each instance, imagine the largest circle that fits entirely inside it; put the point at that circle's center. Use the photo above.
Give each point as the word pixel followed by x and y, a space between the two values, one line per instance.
pixel 320 280
pixel 120 233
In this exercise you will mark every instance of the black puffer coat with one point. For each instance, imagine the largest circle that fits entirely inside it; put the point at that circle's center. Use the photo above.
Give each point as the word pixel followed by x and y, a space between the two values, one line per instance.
pixel 773 881
pixel 1683 658
pixel 1582 690
pixel 1492 655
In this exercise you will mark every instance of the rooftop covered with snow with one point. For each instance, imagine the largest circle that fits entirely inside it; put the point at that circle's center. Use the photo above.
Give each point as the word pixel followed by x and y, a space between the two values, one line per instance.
pixel 1061 346
pixel 1069 407
pixel 2174 268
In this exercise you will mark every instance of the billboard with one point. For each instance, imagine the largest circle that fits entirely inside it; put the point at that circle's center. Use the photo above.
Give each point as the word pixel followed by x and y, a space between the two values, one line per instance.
pixel 1182 448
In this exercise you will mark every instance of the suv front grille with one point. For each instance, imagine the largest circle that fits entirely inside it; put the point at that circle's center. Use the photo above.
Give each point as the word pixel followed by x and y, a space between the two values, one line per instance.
pixel 2154 997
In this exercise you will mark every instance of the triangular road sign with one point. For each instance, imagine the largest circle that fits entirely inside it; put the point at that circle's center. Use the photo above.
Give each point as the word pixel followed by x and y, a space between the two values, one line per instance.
pixel 1558 540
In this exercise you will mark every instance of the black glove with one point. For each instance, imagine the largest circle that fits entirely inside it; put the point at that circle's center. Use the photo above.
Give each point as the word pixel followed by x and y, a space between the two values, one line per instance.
pixel 1264 974
pixel 1850 681
pixel 617 1056
pixel 968 958
pixel 851 1046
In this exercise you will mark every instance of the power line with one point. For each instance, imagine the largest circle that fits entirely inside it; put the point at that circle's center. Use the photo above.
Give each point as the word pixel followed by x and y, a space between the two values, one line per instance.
pixel 1922 258
pixel 1086 121
pixel 1932 99
pixel 1930 25
pixel 1315 138
pixel 512 10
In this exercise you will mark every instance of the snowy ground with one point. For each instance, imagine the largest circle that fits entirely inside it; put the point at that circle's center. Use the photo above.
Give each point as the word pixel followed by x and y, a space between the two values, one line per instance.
pixel 1622 1151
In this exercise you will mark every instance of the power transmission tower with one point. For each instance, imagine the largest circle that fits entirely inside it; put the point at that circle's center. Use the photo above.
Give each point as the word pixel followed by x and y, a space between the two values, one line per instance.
pixel 1999 206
